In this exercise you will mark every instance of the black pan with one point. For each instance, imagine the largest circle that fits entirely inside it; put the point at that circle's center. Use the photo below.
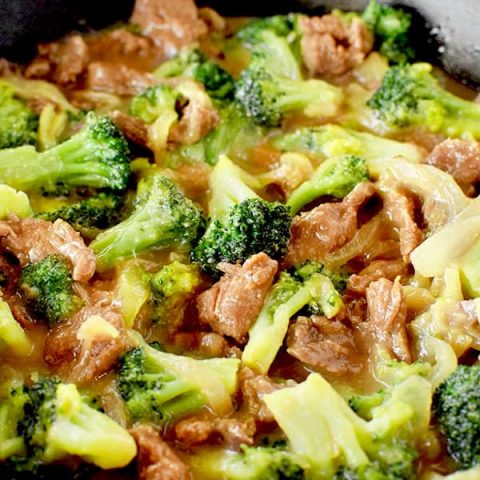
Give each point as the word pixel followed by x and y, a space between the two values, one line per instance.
pixel 446 31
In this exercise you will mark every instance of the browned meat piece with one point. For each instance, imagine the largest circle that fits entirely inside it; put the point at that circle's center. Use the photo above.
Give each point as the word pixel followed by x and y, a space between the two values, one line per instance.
pixel 61 62
pixel 459 158
pixel 193 178
pixel 31 239
pixel 401 210
pixel 171 24
pixel 203 429
pixel 327 346
pixel 253 388
pixel 129 48
pixel 326 228
pixel 387 313
pixel 117 79
pixel 156 459
pixel 198 117
pixel 233 303
pixel 378 269
pixel 204 344
pixel 88 345
pixel 133 128
pixel 330 46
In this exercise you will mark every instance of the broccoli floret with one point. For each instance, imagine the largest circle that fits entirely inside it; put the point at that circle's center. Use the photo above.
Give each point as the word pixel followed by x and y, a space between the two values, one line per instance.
pixel 171 287
pixel 12 335
pixel 155 102
pixel 193 63
pixel 241 223
pixel 163 387
pixel 336 177
pixel 251 463
pixel 281 25
pixel 57 422
pixel 234 136
pixel 410 96
pixel 334 442
pixel 267 96
pixel 162 217
pixel 88 216
pixel 97 157
pixel 307 288
pixel 456 406
pixel 306 270
pixel 11 413
pixel 18 124
pixel 47 287
pixel 391 27
pixel 334 141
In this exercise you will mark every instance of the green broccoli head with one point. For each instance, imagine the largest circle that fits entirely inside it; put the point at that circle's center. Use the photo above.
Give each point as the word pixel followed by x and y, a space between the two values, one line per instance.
pixel 193 63
pixel 47 287
pixel 391 27
pixel 241 223
pixel 335 177
pixel 171 287
pixel 456 406
pixel 154 102
pixel 410 96
pixel 153 393
pixel 18 124
pixel 268 97
pixel 57 422
pixel 97 156
pixel 306 270
pixel 281 25
pixel 88 216
pixel 162 217
pixel 251 227
pixel 273 462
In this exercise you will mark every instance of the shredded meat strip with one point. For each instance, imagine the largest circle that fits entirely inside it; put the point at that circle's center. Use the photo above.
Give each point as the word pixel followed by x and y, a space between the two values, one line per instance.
pixel 156 460
pixel 330 46
pixel 327 346
pixel 61 62
pixel 253 388
pixel 83 357
pixel 320 231
pixel 233 303
pixel 387 313
pixel 133 128
pixel 204 344
pixel 204 429
pixel 117 79
pixel 376 270
pixel 171 24
pixel 459 158
pixel 32 239
pixel 401 210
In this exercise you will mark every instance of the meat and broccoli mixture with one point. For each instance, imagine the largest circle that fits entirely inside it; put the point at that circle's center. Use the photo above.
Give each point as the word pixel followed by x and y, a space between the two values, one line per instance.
pixel 236 249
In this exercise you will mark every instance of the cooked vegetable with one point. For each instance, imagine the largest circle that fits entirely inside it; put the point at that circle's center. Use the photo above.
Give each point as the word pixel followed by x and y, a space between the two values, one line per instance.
pixel 97 157
pixel 241 223
pixel 88 216
pixel 162 217
pixel 162 386
pixel 12 335
pixel 336 177
pixel 19 124
pixel 410 96
pixel 47 287
pixel 55 422
pixel 456 406
pixel 193 63
pixel 391 27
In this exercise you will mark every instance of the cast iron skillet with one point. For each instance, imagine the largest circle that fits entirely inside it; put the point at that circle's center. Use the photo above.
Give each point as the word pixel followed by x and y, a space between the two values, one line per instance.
pixel 446 31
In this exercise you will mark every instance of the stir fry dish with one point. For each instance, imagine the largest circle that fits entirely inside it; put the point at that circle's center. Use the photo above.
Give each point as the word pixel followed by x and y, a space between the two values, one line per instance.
pixel 239 249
